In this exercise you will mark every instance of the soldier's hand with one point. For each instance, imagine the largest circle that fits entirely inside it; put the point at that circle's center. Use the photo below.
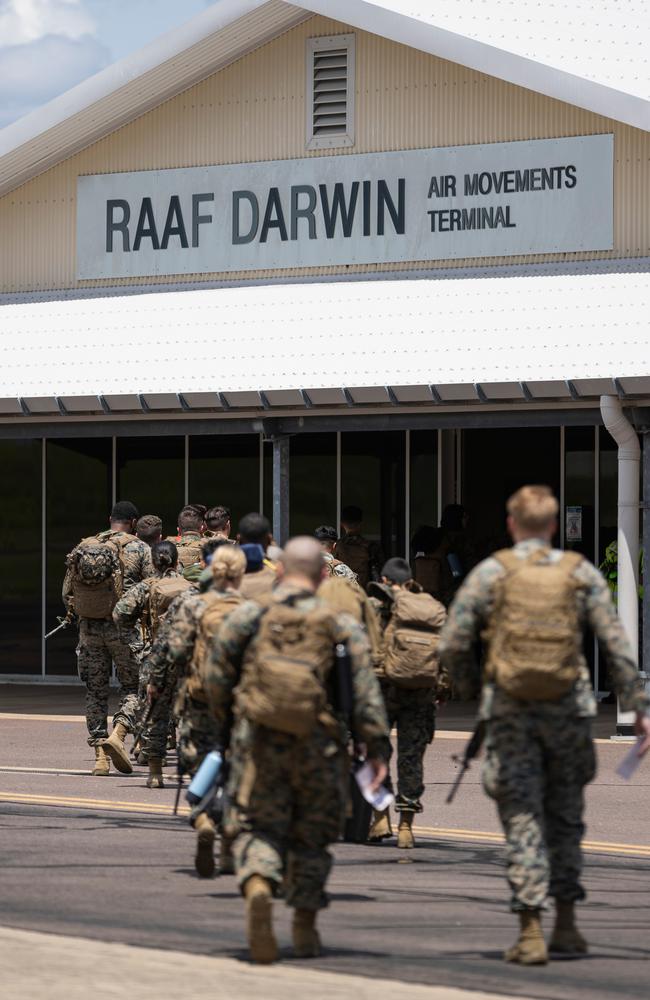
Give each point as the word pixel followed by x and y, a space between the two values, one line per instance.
pixel 152 693
pixel 380 770
pixel 642 728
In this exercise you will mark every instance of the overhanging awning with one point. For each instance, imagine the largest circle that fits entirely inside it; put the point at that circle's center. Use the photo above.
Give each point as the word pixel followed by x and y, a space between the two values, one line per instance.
pixel 443 340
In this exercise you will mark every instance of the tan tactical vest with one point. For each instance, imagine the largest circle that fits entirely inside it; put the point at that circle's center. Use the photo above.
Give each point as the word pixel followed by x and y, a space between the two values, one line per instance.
pixel 217 607
pixel 534 632
pixel 344 595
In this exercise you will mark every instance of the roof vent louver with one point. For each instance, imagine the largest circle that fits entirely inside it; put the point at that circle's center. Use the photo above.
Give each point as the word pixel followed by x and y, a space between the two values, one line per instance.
pixel 330 92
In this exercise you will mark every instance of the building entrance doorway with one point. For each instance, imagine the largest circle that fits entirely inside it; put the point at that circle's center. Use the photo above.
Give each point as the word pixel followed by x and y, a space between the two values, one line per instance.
pixel 494 464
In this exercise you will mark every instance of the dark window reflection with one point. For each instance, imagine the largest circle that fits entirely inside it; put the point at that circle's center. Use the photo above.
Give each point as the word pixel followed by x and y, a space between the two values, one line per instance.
pixel 372 477
pixel 579 484
pixel 312 482
pixel 78 503
pixel 424 479
pixel 151 473
pixel 20 557
pixel 225 470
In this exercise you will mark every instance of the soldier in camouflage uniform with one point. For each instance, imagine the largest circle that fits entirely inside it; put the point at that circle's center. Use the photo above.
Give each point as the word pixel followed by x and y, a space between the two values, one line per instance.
pixel 411 711
pixel 328 537
pixel 288 793
pixel 540 754
pixel 134 610
pixel 102 643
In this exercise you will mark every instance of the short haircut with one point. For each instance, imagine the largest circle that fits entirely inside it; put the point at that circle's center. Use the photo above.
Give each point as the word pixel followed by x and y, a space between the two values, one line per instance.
pixel 303 556
pixel 351 515
pixel 164 555
pixel 533 508
pixel 217 518
pixel 397 570
pixel 210 546
pixel 325 533
pixel 124 510
pixel 190 519
pixel 149 528
pixel 254 529
pixel 200 507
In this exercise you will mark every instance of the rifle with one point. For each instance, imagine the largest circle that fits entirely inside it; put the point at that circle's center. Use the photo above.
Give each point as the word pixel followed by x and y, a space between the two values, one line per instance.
pixel 472 750
pixel 63 623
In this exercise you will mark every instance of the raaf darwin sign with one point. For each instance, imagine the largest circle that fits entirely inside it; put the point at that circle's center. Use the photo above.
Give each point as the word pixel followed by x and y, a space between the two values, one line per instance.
pixel 537 196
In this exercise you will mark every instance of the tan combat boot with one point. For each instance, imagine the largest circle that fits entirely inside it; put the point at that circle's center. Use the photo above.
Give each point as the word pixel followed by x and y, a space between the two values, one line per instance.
pixel 205 834
pixel 381 827
pixel 530 948
pixel 114 747
pixel 155 779
pixel 259 916
pixel 102 763
pixel 404 831
pixel 226 857
pixel 566 939
pixel 306 940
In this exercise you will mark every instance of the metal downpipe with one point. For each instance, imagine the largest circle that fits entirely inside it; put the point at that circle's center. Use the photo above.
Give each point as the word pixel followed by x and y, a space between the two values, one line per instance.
pixel 629 455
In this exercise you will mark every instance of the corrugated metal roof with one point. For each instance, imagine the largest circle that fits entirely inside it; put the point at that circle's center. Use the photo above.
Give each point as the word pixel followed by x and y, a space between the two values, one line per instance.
pixel 478 339
pixel 594 56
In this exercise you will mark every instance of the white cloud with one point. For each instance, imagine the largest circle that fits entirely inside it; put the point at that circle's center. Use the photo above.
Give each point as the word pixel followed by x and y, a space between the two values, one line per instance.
pixel 33 73
pixel 24 21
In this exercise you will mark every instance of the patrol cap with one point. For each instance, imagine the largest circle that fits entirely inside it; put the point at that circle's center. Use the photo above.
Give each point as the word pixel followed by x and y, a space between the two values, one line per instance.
pixel 124 510
pixel 326 533
pixel 397 570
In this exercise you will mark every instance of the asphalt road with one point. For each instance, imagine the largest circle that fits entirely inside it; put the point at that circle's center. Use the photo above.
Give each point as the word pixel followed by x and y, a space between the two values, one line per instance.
pixel 81 857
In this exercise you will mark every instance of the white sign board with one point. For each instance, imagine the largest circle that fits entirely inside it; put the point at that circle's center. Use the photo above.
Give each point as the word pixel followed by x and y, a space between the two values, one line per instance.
pixel 539 196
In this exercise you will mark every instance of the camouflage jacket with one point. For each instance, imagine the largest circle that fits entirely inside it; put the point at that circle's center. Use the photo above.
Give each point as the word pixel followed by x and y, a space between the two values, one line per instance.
pixel 339 568
pixel 132 605
pixel 237 636
pixel 173 647
pixel 136 556
pixel 470 613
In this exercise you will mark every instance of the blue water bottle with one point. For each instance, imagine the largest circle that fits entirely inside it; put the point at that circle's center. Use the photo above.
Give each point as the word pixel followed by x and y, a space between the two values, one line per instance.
pixel 205 778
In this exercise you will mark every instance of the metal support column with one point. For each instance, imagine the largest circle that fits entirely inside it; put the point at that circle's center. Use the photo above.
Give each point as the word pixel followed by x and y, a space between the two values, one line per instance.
pixel 645 645
pixel 281 490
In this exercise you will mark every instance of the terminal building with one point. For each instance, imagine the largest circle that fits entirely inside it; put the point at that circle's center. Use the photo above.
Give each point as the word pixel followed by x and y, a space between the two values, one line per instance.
pixel 294 257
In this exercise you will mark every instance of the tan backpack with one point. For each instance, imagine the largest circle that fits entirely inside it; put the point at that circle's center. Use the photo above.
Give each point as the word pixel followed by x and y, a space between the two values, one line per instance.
pixel 189 550
pixel 354 551
pixel 411 640
pixel 216 608
pixel 96 566
pixel 162 591
pixel 534 631
pixel 285 675
pixel 344 595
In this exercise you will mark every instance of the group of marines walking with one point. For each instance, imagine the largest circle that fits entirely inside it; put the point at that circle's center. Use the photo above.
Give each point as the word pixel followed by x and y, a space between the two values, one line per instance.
pixel 232 645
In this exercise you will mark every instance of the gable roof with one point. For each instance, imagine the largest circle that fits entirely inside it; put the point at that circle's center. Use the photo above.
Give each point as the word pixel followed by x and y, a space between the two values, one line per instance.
pixel 590 56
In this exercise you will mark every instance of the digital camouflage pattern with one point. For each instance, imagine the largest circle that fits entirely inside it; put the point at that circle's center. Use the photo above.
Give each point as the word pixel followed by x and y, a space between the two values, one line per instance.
pixel 413 714
pixel 338 568
pixel 539 755
pixel 288 794
pixel 102 643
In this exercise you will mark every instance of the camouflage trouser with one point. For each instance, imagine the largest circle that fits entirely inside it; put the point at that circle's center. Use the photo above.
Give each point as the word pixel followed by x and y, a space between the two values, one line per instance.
pixel 288 800
pixel 537 764
pixel 101 645
pixel 154 735
pixel 198 732
pixel 413 713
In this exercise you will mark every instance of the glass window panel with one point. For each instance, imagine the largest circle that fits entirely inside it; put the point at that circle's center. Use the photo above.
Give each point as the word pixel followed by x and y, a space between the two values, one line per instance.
pixel 579 484
pixel 75 467
pixel 495 463
pixel 20 557
pixel 608 499
pixel 151 473
pixel 224 470
pixel 312 482
pixel 267 486
pixel 423 479
pixel 372 477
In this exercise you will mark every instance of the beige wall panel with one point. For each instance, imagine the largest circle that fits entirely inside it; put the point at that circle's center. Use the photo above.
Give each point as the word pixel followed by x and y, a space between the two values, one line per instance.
pixel 254 110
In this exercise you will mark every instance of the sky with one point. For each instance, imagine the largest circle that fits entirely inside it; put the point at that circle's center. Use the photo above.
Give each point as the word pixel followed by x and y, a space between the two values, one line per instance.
pixel 48 46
